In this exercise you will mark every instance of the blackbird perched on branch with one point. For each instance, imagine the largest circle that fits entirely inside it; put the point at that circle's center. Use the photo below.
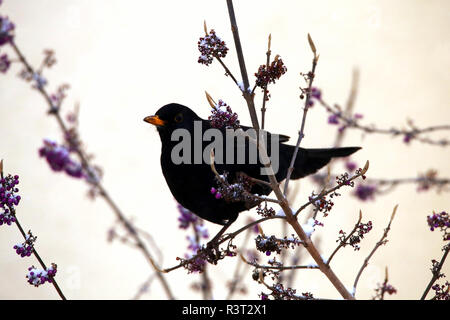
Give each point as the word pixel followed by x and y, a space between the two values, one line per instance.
pixel 193 182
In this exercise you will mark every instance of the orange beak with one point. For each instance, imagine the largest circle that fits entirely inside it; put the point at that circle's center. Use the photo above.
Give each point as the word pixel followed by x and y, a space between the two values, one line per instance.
pixel 155 120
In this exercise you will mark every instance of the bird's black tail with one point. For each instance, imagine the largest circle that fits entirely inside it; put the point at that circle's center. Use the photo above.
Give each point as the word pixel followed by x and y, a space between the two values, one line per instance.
pixel 308 161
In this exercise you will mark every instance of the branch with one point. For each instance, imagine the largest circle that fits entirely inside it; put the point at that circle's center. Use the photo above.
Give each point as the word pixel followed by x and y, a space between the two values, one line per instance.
pixel 227 237
pixel 326 192
pixel 377 245
pixel 301 134
pixel 436 272
pixel 343 243
pixel 411 134
pixel 38 257
pixel 295 267
pixel 227 71
pixel 86 165
pixel 274 184
pixel 206 285
pixel 248 96
pixel 237 276
pixel 263 108
pixel 349 106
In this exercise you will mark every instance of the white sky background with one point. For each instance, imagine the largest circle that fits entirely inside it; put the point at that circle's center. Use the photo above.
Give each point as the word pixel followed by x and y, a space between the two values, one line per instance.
pixel 125 59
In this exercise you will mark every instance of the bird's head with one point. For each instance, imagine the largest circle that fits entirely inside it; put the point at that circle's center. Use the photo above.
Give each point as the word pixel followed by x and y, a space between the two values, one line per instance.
pixel 172 116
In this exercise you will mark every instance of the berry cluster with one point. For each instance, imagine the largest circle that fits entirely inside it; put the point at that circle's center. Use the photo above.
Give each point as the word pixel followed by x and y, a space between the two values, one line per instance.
pixel 441 292
pixel 382 289
pixel 265 211
pixel 195 264
pixel 204 254
pixel 441 221
pixel 268 74
pixel 58 157
pixel 4 63
pixel 223 117
pixel 193 261
pixel 6 30
pixel 201 232
pixel 314 94
pixel 36 276
pixel 322 204
pixel 211 46
pixel 350 165
pixel 273 244
pixel 26 249
pixel 8 198
pixel 335 118
pixel 186 217
pixel 343 179
pixel 355 239
pixel 281 293
pixel 365 192
pixel 239 191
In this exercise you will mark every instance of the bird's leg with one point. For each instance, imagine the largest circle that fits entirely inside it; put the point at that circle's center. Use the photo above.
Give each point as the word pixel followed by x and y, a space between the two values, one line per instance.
pixel 214 241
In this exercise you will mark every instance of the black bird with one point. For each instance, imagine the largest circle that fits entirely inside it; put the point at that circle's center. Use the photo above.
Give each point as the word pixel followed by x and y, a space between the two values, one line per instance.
pixel 191 183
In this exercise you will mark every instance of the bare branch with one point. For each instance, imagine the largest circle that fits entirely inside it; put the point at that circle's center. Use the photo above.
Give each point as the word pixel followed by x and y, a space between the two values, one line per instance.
pixel 342 243
pixel 377 245
pixel 436 272
pixel 301 134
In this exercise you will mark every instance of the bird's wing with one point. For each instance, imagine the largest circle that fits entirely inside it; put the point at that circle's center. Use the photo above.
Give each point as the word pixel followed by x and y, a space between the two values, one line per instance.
pixel 282 138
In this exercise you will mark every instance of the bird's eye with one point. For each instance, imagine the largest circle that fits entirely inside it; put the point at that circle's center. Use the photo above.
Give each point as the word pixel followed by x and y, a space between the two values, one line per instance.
pixel 178 118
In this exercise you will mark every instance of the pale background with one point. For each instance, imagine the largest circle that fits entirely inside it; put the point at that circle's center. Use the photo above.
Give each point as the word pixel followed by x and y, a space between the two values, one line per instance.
pixel 125 59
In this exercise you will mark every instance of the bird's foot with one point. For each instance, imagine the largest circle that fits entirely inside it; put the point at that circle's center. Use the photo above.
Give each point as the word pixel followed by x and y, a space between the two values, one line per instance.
pixel 212 251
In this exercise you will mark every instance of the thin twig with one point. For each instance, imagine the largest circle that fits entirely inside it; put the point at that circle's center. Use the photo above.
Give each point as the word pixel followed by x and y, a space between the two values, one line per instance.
pixel 35 253
pixel 411 134
pixel 342 243
pixel 436 272
pixel 226 237
pixel 295 267
pixel 237 276
pixel 384 285
pixel 206 283
pixel 248 96
pixel 301 134
pixel 377 245
pixel 263 108
pixel 144 287
pixel 326 192
pixel 244 192
pixel 227 71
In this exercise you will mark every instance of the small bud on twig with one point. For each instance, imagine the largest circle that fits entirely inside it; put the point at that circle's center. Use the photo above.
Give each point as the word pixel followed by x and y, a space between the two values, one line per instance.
pixel 311 44
pixel 393 213
pixel 366 167
pixel 260 230
pixel 204 27
pixel 211 101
